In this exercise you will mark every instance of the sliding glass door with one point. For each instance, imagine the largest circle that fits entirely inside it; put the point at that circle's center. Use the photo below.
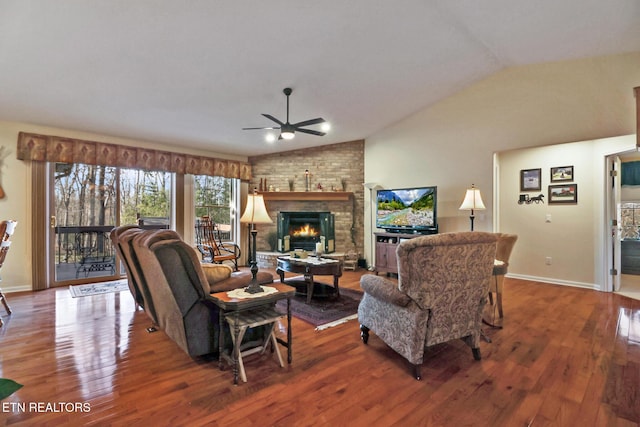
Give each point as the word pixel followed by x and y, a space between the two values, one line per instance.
pixel 88 202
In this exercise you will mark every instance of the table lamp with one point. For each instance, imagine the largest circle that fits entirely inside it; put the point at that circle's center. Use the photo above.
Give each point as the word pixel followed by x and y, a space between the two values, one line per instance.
pixel 254 213
pixel 472 201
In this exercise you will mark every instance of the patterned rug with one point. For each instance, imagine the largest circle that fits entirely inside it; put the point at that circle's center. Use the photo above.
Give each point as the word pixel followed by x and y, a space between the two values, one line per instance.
pixel 326 312
pixel 98 288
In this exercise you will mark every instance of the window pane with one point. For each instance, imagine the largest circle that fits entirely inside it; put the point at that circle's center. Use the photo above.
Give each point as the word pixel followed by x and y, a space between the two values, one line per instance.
pixel 214 197
pixel 145 197
pixel 84 206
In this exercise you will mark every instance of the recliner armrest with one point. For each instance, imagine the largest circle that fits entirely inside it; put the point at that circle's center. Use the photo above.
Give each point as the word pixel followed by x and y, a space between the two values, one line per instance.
pixel 384 290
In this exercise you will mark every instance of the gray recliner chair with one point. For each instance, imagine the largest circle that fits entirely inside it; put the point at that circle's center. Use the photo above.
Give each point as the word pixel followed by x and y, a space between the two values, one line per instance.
pixel 441 290
pixel 180 292
pixel 121 238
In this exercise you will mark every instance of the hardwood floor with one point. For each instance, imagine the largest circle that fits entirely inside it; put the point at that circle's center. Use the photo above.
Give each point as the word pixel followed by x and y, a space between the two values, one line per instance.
pixel 565 357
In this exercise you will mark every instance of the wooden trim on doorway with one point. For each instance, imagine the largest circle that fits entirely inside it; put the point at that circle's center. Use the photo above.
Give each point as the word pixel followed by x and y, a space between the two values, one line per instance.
pixel 40 272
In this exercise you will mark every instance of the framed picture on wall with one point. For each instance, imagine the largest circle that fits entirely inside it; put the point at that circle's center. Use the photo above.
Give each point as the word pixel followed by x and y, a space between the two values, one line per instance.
pixel 562 173
pixel 565 193
pixel 530 179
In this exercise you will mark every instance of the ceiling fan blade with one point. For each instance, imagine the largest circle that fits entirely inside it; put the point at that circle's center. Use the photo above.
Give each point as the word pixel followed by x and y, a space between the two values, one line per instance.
pixel 310 122
pixel 311 132
pixel 261 128
pixel 270 117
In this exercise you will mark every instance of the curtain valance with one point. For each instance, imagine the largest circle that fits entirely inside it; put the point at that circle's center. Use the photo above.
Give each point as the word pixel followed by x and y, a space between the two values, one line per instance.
pixel 48 148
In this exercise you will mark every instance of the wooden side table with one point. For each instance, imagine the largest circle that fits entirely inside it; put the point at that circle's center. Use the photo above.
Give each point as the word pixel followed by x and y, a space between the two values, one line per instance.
pixel 232 309
pixel 251 319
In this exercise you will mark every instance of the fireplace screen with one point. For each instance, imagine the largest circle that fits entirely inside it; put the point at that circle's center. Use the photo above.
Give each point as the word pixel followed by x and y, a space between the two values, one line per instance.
pixel 302 230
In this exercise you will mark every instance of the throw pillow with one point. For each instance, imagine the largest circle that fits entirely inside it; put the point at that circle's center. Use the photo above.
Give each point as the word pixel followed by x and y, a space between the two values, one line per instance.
pixel 216 272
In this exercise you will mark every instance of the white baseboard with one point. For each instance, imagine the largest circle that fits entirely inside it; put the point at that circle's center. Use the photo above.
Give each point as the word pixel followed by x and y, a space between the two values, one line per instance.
pixel 12 289
pixel 592 286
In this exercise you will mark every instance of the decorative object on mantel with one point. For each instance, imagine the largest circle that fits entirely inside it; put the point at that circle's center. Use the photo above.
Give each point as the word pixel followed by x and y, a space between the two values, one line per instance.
pixel 290 184
pixel 472 201
pixel 343 182
pixel 254 213
pixel 524 198
pixel 306 180
pixel 299 196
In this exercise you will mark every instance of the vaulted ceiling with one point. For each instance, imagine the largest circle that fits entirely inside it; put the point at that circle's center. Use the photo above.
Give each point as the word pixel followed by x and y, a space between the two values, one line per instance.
pixel 195 73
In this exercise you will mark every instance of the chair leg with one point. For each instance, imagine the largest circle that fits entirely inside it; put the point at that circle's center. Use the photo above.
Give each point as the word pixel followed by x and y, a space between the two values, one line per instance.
pixel 476 353
pixel 416 372
pixel 364 333
pixel 4 302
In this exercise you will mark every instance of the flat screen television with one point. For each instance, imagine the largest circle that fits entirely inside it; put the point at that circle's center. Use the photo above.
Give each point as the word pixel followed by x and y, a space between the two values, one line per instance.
pixel 408 210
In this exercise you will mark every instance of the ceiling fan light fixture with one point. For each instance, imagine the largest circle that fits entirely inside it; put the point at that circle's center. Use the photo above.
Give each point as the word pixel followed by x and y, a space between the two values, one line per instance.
pixel 287 134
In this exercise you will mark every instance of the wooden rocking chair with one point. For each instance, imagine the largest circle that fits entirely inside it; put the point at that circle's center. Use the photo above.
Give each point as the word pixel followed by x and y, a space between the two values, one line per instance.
pixel 6 230
pixel 210 244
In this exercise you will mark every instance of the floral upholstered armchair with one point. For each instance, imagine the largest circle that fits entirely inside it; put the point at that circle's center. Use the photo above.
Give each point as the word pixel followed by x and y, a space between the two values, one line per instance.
pixel 442 288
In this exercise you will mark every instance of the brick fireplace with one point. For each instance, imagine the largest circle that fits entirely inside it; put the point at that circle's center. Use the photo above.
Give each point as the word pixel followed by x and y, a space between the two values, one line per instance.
pixel 303 230
pixel 336 167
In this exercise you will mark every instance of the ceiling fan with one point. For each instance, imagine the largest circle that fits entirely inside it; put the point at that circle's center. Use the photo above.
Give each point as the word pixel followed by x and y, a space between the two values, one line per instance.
pixel 288 130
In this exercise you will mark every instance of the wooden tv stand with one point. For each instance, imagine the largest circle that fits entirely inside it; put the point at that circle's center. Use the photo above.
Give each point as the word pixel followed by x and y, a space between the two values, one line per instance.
pixel 386 245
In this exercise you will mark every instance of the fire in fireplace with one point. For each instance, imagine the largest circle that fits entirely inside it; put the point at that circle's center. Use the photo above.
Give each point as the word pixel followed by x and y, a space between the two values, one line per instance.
pixel 302 230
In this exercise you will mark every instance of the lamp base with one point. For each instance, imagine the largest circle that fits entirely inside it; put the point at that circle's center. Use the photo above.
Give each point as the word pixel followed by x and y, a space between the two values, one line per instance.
pixel 254 288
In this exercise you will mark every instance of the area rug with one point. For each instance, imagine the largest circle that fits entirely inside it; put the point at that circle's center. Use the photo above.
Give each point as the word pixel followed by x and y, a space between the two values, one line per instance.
pixel 98 288
pixel 327 312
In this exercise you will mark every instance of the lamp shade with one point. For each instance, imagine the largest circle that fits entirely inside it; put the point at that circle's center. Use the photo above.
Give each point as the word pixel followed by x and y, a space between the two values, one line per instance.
pixel 256 211
pixel 472 200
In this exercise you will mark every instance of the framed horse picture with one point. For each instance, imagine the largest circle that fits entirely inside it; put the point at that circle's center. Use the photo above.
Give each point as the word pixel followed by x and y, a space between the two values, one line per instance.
pixel 563 194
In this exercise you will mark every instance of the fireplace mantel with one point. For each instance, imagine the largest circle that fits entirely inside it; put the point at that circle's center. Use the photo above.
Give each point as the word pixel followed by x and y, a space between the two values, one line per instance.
pixel 307 195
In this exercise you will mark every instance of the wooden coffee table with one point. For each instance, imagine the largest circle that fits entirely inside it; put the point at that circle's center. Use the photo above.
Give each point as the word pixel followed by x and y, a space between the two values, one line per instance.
pixel 310 267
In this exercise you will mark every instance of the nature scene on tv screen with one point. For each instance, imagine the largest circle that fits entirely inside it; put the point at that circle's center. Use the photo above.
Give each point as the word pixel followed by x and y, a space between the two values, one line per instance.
pixel 406 208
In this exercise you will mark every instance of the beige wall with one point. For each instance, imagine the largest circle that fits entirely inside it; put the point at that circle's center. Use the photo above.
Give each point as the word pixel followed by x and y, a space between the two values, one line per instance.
pixel 572 235
pixel 15 178
pixel 452 144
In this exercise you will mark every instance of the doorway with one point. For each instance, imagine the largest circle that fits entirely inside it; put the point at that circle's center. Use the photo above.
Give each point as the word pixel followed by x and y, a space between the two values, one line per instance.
pixel 625 208
pixel 88 201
